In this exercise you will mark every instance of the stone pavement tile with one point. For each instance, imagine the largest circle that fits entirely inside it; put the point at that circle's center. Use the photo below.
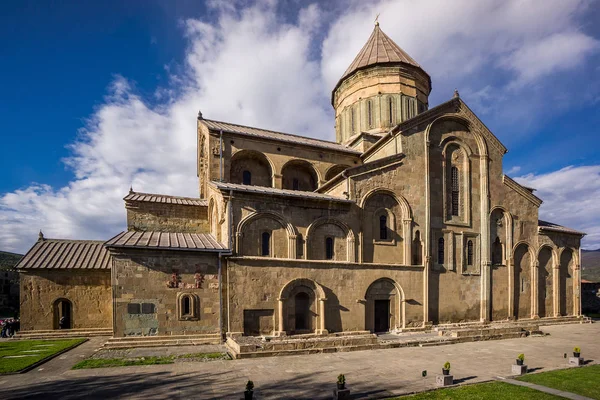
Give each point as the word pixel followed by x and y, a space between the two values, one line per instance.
pixel 546 389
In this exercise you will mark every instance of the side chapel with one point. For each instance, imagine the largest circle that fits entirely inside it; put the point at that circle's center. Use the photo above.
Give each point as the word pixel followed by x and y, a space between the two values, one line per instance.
pixel 405 221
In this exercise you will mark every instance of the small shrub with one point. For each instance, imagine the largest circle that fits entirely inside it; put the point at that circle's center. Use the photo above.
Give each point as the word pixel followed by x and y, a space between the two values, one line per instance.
pixel 249 386
pixel 341 379
pixel 576 350
pixel 447 365
pixel 521 357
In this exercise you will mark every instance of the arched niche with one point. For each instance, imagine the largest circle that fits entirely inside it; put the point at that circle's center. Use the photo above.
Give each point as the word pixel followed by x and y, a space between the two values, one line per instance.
pixel 545 284
pixel 522 288
pixel 301 308
pixel 251 168
pixel 251 231
pixel 323 228
pixel 566 281
pixel 396 247
pixel 335 170
pixel 384 306
pixel 299 175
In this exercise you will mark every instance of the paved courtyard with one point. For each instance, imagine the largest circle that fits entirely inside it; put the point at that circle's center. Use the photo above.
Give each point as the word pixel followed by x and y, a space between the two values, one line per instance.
pixel 369 374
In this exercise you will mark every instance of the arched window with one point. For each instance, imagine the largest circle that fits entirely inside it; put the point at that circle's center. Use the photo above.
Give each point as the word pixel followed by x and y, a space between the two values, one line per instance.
pixel 247 177
pixel 441 251
pixel 353 120
pixel 370 113
pixel 391 110
pixel 497 251
pixel 329 248
pixel 266 244
pixel 470 252
pixel 417 250
pixel 383 227
pixel 455 191
pixel 187 305
pixel 295 184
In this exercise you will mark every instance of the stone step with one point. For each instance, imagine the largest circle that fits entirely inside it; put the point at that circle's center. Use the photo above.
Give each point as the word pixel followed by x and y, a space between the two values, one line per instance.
pixel 160 341
pixel 161 337
pixel 60 334
pixel 65 330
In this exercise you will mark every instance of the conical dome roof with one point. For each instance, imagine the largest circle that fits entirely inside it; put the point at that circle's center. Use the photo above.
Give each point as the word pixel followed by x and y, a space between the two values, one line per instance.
pixel 379 49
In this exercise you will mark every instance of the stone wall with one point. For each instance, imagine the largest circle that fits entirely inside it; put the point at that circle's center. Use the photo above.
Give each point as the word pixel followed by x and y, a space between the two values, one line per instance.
pixel 149 216
pixel 257 284
pixel 149 288
pixel 89 292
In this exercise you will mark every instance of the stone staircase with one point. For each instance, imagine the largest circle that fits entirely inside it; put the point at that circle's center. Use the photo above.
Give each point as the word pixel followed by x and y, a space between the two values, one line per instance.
pixel 63 333
pixel 161 341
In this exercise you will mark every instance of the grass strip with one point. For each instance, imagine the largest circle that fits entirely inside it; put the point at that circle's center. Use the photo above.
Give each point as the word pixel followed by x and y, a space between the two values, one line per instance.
pixel 127 362
pixel 584 381
pixel 46 349
pixel 482 391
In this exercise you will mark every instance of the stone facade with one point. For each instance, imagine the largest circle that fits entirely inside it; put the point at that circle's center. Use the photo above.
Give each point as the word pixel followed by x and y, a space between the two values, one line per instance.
pixel 407 220
pixel 87 292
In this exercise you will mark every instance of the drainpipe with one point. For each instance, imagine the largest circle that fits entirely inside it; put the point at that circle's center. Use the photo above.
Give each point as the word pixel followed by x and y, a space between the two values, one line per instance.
pixel 221 155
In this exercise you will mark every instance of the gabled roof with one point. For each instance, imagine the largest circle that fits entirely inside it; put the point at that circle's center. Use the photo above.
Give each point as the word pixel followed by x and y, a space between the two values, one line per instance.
pixel 550 226
pixel 163 198
pixel 379 49
pixel 66 254
pixel 166 240
pixel 278 136
pixel 278 192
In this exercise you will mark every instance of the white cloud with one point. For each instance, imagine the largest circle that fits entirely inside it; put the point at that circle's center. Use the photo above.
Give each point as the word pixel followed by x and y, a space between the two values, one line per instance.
pixel 514 170
pixel 570 198
pixel 247 66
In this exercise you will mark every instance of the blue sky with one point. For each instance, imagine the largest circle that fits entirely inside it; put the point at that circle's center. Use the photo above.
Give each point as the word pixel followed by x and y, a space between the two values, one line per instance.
pixel 98 96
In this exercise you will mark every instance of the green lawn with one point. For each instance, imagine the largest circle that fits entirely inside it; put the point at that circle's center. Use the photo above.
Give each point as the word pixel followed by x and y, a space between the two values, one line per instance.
pixel 46 349
pixel 127 362
pixel 483 391
pixel 584 381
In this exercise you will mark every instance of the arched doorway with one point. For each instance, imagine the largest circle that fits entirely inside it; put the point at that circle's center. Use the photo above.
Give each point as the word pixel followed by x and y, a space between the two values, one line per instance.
pixel 565 282
pixel 384 306
pixel 301 308
pixel 522 282
pixel 63 308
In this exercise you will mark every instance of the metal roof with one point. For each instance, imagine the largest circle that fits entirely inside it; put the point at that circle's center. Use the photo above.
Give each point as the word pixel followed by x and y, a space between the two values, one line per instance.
pixel 279 136
pixel 279 192
pixel 163 198
pixel 379 49
pixel 166 240
pixel 66 254
pixel 549 226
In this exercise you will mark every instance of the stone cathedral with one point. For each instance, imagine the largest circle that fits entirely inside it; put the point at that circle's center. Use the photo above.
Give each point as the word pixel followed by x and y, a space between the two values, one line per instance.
pixel 405 221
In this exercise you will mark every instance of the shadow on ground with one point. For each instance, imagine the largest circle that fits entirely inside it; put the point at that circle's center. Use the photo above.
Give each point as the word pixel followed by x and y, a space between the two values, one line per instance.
pixel 226 385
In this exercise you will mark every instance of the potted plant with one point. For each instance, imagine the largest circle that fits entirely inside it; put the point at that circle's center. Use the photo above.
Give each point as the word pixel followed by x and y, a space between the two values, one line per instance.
pixel 576 352
pixel 446 368
pixel 249 392
pixel 341 382
pixel 520 359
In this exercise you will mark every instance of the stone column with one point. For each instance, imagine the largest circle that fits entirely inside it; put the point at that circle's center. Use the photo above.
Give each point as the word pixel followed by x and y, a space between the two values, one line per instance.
pixel 555 288
pixel 577 289
pixel 280 329
pixel 450 246
pixel 407 233
pixel 485 239
pixel 292 252
pixel 277 181
pixel 535 307
pixel 322 330
pixel 238 243
pixel 351 249
pixel 511 289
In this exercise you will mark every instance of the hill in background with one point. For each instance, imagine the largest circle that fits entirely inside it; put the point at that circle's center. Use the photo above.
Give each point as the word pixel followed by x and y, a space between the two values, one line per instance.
pixel 9 260
pixel 590 265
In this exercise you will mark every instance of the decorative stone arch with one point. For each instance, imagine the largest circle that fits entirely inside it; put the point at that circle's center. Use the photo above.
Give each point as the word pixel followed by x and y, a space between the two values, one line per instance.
pixel 292 232
pixel 523 307
pixel 335 170
pixel 287 302
pixel 508 237
pixel 406 218
pixel 546 281
pixel 481 144
pixel 235 170
pixel 188 306
pixel 296 163
pixel 385 289
pixel 350 236
pixel 464 179
pixel 62 307
pixel 568 282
